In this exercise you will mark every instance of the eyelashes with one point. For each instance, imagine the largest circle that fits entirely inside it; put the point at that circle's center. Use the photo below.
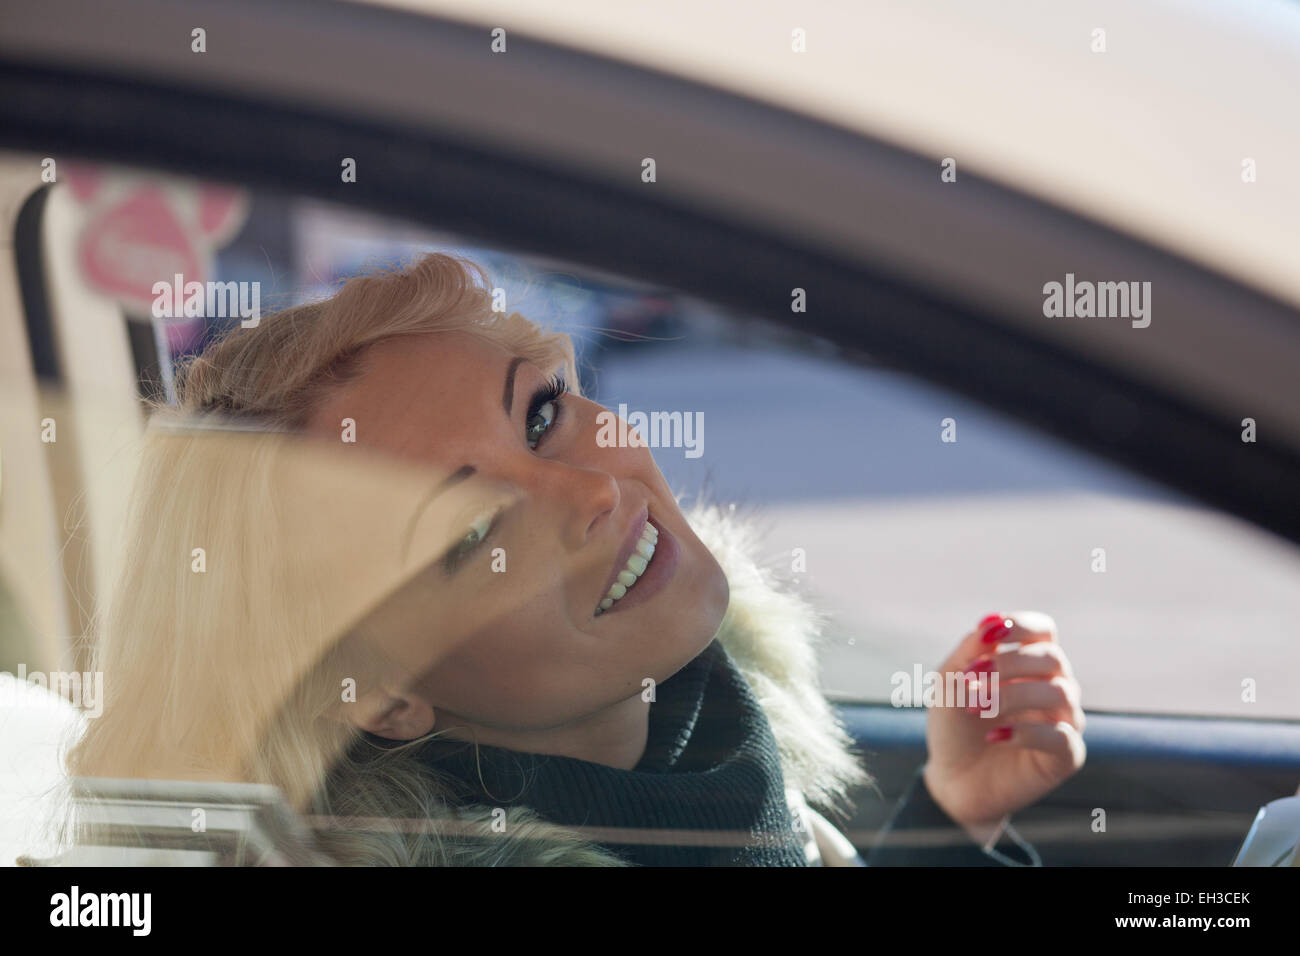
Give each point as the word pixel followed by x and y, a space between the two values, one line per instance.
pixel 545 406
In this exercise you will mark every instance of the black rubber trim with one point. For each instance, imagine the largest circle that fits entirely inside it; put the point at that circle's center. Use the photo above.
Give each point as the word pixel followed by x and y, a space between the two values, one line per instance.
pixel 30 266
pixel 527 206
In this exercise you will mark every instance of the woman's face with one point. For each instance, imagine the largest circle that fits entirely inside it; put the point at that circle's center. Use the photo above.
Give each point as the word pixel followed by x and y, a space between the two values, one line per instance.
pixel 545 519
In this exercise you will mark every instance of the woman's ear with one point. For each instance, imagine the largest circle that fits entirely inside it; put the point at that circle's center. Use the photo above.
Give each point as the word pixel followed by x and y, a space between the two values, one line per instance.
pixel 388 714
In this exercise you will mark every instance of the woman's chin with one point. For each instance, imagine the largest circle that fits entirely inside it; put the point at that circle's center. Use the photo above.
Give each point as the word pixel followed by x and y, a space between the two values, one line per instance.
pixel 696 611
pixel 709 603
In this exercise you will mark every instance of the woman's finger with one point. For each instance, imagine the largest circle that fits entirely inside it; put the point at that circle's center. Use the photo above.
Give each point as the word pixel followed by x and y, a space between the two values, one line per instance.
pixel 1030 627
pixel 1055 697
pixel 1059 740
pixel 1037 659
pixel 991 630
pixel 994 630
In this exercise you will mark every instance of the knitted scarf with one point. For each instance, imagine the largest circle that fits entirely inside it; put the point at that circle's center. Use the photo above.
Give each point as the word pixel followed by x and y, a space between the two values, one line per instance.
pixel 708 791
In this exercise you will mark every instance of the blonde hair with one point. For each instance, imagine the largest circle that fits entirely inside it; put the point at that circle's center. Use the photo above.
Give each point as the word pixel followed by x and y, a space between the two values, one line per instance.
pixel 225 675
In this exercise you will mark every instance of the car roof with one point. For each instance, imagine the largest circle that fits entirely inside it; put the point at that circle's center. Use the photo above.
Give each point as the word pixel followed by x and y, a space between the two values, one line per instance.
pixel 1148 136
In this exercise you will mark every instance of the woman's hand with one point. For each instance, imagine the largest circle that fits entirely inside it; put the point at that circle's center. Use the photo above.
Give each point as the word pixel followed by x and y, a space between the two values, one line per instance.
pixel 982 769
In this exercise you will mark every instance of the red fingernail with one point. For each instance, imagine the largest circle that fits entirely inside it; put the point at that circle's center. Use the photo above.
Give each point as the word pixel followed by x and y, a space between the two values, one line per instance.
pixel 998 733
pixel 998 628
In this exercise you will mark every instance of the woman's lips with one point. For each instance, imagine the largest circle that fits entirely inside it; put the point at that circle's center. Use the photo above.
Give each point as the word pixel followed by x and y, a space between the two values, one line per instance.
pixel 660 571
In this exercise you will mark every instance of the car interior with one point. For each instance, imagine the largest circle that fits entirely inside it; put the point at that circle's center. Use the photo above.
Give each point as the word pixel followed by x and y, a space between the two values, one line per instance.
pixel 907 278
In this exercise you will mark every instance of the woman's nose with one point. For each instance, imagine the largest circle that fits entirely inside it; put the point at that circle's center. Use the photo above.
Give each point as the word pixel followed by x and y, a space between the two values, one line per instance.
pixel 593 496
pixel 590 484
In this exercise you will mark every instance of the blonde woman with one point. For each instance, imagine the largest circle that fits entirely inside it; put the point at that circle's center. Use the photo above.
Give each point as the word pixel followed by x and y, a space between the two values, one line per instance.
pixel 379 560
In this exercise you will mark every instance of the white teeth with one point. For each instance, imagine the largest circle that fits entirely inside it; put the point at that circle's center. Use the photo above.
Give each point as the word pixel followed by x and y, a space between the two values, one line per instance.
pixel 636 565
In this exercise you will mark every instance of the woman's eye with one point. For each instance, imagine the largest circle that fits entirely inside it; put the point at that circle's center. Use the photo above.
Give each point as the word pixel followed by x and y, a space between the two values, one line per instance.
pixel 545 408
pixel 479 530
pixel 539 421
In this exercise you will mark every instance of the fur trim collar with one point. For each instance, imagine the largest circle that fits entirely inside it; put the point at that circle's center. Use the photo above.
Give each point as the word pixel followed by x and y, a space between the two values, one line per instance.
pixel 772 633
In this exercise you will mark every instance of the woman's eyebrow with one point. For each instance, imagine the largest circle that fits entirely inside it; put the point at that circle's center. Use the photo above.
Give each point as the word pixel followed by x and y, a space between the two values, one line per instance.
pixel 455 478
pixel 508 398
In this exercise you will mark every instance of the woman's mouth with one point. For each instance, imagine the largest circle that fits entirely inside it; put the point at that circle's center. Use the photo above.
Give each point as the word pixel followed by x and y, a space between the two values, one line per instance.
pixel 635 566
pixel 647 568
